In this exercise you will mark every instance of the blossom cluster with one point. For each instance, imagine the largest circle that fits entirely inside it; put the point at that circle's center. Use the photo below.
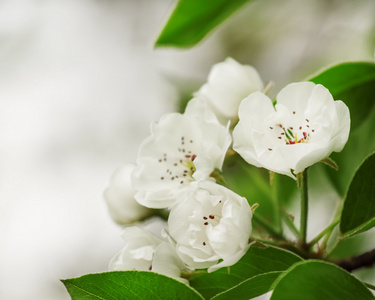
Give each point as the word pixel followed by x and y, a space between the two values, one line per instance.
pixel 208 225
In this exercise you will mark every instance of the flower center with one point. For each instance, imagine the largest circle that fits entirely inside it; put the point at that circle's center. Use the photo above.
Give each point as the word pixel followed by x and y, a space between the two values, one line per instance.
pixel 299 133
pixel 180 167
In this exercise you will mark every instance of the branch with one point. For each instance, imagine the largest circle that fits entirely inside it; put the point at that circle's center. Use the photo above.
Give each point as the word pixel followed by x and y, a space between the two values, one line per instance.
pixel 356 262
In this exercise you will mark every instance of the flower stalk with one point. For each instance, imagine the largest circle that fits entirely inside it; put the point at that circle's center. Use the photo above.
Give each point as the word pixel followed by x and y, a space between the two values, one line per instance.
pixel 328 230
pixel 303 181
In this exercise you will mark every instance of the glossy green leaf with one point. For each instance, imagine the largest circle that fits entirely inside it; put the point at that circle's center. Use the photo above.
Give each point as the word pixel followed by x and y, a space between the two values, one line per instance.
pixel 255 262
pixel 358 214
pixel 353 83
pixel 318 280
pixel 128 285
pixel 250 288
pixel 192 20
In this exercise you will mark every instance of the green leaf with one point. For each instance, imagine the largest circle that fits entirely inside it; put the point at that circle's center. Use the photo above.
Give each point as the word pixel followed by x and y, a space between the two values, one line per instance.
pixel 128 285
pixel 191 20
pixel 255 262
pixel 250 288
pixel 358 214
pixel 317 280
pixel 353 83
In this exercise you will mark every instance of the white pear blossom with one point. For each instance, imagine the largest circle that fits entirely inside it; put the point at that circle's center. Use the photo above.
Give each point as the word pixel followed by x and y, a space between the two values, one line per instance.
pixel 146 252
pixel 228 84
pixel 305 126
pixel 182 148
pixel 122 206
pixel 211 226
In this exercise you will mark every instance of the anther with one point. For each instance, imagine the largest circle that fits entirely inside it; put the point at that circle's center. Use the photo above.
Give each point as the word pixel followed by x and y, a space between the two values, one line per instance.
pixel 270 149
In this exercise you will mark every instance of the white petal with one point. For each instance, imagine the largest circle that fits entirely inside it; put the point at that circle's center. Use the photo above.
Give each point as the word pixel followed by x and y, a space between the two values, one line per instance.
pixel 137 254
pixel 228 83
pixel 210 223
pixel 295 96
pixel 167 262
pixel 180 150
pixel 122 206
pixel 243 144
pixel 342 132
pixel 253 112
pixel 305 128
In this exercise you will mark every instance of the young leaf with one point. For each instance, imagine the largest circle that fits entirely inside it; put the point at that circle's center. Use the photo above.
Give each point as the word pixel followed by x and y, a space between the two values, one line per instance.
pixel 255 262
pixel 358 214
pixel 353 83
pixel 128 285
pixel 317 280
pixel 250 288
pixel 191 20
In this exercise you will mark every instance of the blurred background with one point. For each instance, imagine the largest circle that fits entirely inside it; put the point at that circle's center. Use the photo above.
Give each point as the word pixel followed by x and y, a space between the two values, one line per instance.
pixel 80 83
